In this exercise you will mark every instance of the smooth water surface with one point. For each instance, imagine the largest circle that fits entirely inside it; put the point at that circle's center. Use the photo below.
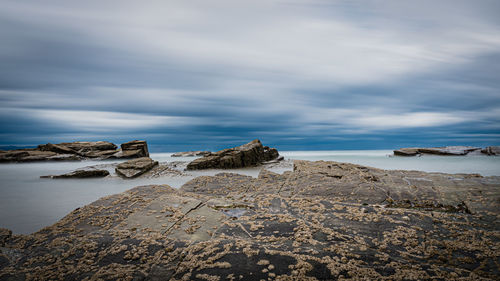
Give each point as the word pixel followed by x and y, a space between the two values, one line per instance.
pixel 28 203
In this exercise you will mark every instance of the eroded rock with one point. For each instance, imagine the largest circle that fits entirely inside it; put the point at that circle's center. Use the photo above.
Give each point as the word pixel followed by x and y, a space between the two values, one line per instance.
pixel 247 155
pixel 72 151
pixel 447 150
pixel 90 173
pixel 321 221
pixel 491 150
pixel 136 167
pixel 191 153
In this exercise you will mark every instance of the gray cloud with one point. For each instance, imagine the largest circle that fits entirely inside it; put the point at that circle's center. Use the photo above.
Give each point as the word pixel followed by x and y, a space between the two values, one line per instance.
pixel 296 72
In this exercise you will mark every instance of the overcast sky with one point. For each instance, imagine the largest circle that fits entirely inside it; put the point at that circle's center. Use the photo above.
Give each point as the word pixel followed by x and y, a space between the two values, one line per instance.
pixel 298 74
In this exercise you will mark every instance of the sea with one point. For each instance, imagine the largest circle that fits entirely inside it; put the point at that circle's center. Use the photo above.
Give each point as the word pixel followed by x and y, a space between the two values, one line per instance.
pixel 29 203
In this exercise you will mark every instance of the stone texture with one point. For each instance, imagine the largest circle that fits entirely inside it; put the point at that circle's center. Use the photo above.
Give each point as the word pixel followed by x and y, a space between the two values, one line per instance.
pixel 321 221
pixel 90 173
pixel 447 150
pixel 136 167
pixel 71 151
pixel 247 155
pixel 191 153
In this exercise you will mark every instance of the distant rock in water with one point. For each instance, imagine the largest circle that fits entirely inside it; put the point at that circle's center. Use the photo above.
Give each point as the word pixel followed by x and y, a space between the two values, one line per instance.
pixel 247 155
pixel 79 174
pixel 136 167
pixel 447 150
pixel 79 150
pixel 491 150
pixel 191 153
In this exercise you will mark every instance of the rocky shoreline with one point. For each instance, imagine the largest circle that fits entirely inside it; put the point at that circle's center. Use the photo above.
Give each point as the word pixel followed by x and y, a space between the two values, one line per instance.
pixel 448 151
pixel 321 221
pixel 76 151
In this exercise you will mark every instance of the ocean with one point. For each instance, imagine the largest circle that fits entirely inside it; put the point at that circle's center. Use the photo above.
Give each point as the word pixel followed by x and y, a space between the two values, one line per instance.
pixel 28 203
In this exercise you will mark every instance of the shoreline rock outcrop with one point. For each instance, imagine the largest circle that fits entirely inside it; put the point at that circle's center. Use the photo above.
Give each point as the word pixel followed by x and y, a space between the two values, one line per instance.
pixel 191 153
pixel 446 150
pixel 247 155
pixel 321 221
pixel 80 174
pixel 74 151
pixel 491 150
pixel 135 167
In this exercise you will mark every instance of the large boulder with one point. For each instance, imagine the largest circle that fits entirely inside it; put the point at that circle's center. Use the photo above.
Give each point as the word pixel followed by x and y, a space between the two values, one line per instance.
pixel 132 149
pixel 446 150
pixel 247 155
pixel 491 150
pixel 79 174
pixel 191 153
pixel 136 167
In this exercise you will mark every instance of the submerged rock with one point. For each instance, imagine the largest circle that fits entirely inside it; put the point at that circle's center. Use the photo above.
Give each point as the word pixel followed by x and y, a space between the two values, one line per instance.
pixel 321 221
pixel 447 150
pixel 136 167
pixel 191 153
pixel 247 155
pixel 71 151
pixel 80 174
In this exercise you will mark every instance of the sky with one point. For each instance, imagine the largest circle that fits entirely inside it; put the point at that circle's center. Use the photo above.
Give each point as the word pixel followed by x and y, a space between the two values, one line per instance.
pixel 297 74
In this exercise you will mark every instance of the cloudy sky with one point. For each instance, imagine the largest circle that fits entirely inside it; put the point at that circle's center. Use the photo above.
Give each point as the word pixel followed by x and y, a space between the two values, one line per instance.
pixel 298 74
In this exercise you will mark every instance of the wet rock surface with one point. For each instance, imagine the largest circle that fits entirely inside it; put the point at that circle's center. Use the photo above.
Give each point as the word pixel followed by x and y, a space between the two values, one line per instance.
pixel 136 167
pixel 89 173
pixel 321 221
pixel 191 153
pixel 73 151
pixel 447 150
pixel 247 155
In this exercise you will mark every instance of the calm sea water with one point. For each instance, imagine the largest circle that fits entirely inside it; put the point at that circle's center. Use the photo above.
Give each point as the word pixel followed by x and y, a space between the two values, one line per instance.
pixel 28 203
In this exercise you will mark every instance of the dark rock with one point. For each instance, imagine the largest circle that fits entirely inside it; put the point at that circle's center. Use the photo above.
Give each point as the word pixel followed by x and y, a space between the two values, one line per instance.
pixel 191 153
pixel 406 152
pixel 247 155
pixel 71 151
pixel 447 150
pixel 80 174
pixel 491 150
pixel 132 149
pixel 136 167
pixel 5 235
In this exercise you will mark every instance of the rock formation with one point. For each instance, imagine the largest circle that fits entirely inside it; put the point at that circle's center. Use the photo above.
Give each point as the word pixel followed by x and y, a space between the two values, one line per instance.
pixel 247 155
pixel 136 167
pixel 321 221
pixel 79 174
pixel 491 150
pixel 447 150
pixel 191 153
pixel 71 151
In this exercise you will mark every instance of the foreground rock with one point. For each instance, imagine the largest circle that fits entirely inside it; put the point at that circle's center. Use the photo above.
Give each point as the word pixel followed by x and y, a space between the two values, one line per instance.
pixel 136 167
pixel 447 150
pixel 191 153
pixel 322 221
pixel 71 151
pixel 247 155
pixel 79 174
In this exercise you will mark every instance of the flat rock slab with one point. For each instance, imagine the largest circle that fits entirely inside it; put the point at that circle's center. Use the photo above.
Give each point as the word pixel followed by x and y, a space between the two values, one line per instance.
pixel 136 167
pixel 90 173
pixel 322 221
pixel 447 150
